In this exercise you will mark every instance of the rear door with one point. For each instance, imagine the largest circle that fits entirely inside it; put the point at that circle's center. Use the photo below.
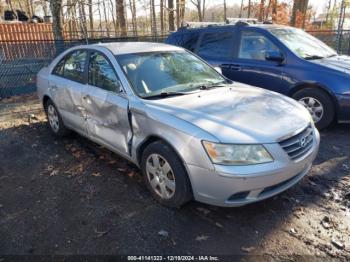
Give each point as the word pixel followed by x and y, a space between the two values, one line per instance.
pixel 250 66
pixel 106 106
pixel 66 84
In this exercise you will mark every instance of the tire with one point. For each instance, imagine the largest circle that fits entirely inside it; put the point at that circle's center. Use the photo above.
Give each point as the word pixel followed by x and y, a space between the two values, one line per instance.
pixel 176 177
pixel 54 120
pixel 318 96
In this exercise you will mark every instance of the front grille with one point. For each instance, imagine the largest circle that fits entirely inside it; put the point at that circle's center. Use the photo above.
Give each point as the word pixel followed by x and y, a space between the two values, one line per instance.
pixel 300 144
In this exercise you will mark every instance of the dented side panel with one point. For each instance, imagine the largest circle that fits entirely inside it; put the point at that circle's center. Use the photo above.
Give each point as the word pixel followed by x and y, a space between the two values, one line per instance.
pixel 106 115
pixel 66 95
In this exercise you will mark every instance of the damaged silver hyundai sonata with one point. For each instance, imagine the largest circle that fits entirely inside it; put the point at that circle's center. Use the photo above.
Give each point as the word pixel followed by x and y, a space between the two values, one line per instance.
pixel 192 132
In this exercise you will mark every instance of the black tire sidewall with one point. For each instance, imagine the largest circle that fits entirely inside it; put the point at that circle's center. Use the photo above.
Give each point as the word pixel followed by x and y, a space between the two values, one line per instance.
pixel 183 192
pixel 324 99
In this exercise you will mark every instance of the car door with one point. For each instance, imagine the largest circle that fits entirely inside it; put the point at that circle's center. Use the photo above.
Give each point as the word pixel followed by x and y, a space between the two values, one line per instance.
pixel 250 65
pixel 216 47
pixel 106 106
pixel 66 84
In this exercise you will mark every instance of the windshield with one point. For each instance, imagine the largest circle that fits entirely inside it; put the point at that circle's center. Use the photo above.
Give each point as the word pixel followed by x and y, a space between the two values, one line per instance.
pixel 155 73
pixel 303 44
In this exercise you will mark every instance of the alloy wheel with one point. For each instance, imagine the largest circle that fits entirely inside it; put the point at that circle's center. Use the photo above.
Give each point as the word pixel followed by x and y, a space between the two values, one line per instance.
pixel 314 107
pixel 53 118
pixel 160 176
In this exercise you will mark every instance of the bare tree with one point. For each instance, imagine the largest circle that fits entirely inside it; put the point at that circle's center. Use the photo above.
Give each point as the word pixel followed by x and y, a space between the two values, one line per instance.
pixel 261 10
pixel 153 18
pixel 121 17
pixel 55 6
pixel 161 16
pixel 133 16
pixel 171 17
pixel 249 8
pixel 299 8
pixel 105 14
pixel 225 11
pixel 91 18
pixel 200 6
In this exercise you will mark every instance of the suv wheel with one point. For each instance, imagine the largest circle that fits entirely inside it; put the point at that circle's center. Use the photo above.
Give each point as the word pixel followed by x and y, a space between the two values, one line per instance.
pixel 165 175
pixel 319 104
pixel 54 119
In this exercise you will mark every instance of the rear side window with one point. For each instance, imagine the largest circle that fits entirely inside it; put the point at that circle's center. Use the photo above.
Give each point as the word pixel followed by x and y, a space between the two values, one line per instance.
pixel 74 66
pixel 58 70
pixel 216 45
pixel 185 40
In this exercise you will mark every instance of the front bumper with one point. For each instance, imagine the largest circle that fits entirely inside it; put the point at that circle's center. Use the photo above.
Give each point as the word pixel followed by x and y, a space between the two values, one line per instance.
pixel 240 185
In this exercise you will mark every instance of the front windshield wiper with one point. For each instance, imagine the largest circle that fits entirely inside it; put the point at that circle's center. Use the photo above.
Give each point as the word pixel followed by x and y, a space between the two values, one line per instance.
pixel 211 85
pixel 165 94
pixel 313 57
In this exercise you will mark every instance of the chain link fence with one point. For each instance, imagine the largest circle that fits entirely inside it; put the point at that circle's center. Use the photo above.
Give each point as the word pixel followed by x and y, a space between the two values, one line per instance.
pixel 20 61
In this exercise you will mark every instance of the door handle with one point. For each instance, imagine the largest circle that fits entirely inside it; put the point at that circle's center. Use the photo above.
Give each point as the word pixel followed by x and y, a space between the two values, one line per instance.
pixel 53 87
pixel 235 67
pixel 86 97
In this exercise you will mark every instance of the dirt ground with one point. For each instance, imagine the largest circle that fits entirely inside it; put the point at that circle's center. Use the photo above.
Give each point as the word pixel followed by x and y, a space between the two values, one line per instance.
pixel 71 196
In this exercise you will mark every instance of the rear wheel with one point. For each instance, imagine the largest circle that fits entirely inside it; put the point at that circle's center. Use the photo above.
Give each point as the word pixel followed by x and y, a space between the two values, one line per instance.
pixel 54 120
pixel 319 104
pixel 165 175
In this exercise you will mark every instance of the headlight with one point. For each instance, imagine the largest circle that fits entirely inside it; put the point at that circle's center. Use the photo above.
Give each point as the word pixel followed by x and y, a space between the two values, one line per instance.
pixel 234 154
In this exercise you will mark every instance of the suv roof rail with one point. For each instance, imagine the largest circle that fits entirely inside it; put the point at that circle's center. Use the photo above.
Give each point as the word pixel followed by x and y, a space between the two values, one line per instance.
pixel 242 23
pixel 201 24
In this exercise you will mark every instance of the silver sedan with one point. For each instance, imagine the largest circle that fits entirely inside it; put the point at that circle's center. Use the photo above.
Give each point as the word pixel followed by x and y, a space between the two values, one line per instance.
pixel 193 133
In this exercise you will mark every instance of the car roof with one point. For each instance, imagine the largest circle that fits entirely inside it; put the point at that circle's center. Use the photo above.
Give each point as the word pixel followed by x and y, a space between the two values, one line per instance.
pixel 119 48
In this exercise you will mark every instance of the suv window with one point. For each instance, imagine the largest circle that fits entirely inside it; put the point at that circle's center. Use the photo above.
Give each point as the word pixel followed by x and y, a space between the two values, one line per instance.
pixel 254 45
pixel 101 73
pixel 185 40
pixel 74 66
pixel 218 45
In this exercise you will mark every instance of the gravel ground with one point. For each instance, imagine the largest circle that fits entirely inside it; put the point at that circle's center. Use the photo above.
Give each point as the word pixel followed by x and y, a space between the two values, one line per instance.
pixel 71 196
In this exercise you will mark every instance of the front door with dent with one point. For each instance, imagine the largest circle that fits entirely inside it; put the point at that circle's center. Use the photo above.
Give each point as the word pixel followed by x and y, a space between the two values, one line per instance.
pixel 106 108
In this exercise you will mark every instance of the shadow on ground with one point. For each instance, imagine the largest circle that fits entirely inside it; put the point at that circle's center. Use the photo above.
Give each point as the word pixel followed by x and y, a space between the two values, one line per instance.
pixel 71 196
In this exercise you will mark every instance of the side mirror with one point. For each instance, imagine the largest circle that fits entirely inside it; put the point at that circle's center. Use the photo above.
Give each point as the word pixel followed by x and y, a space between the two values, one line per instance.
pixel 275 56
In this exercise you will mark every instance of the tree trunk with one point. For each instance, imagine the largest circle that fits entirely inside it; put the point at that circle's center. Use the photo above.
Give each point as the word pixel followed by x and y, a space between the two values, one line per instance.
pixel 261 10
pixel 177 13
pixel 121 17
pixel 55 6
pixel 225 11
pixel 203 10
pixel 171 15
pixel 274 11
pixel 161 14
pixel 249 5
pixel 153 18
pixel 106 17
pixel 91 19
pixel 299 7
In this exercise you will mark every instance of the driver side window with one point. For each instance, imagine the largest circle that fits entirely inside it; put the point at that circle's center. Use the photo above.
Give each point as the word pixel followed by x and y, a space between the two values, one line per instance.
pixel 101 73
pixel 254 46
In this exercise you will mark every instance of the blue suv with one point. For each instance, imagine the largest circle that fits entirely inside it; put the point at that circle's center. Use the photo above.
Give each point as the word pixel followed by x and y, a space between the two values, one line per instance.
pixel 279 58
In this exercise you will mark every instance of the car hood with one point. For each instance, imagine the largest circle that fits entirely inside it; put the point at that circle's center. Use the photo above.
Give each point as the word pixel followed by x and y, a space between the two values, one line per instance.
pixel 339 63
pixel 238 113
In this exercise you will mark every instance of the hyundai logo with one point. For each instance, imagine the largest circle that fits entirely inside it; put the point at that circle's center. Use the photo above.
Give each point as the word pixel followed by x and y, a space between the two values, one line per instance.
pixel 302 142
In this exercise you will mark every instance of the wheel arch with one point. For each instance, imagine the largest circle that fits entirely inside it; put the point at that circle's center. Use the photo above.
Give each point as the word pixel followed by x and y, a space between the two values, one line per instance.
pixel 151 139
pixel 296 88
pixel 45 99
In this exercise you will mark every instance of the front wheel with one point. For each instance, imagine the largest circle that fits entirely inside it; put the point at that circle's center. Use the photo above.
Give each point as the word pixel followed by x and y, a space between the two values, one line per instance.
pixel 165 176
pixel 319 104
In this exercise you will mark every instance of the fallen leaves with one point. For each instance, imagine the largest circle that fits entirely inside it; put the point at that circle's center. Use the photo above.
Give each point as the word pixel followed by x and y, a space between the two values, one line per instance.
pixel 201 238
